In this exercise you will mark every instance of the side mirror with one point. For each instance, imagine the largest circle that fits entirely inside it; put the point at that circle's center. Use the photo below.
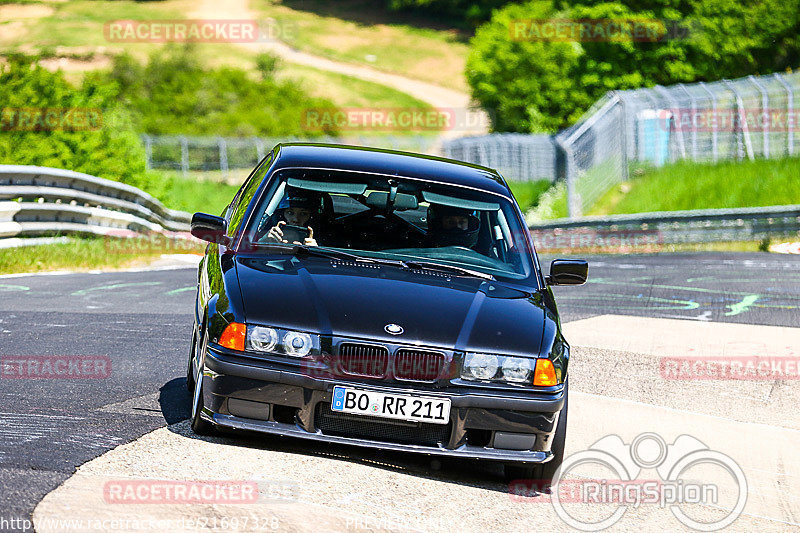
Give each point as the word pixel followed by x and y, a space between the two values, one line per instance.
pixel 210 228
pixel 568 272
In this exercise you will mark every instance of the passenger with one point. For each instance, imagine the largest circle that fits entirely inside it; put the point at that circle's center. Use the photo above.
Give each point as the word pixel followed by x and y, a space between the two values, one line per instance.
pixel 452 226
pixel 300 208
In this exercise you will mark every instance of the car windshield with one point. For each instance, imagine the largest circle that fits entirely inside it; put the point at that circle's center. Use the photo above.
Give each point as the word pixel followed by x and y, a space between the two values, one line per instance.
pixel 427 224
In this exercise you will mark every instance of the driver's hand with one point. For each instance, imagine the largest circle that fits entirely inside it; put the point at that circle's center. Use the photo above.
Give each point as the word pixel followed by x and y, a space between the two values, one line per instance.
pixel 310 241
pixel 276 234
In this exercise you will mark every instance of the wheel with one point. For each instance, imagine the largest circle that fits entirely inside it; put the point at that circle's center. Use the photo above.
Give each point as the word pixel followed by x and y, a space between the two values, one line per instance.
pixel 542 474
pixel 190 365
pixel 199 426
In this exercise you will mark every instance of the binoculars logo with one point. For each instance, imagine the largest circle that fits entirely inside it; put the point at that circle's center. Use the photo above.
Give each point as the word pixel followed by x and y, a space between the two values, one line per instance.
pixel 626 488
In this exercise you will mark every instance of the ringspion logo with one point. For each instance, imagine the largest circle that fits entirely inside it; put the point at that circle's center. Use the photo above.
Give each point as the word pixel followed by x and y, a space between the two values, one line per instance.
pixel 609 474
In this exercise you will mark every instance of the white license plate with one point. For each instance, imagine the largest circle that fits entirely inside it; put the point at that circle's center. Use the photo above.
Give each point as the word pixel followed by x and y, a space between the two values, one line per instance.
pixel 397 406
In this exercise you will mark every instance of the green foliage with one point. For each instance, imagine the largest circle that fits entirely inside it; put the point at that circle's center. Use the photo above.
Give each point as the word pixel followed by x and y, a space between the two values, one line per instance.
pixel 267 65
pixel 174 93
pixel 527 193
pixel 105 145
pixel 525 85
pixel 552 204
pixel 544 85
pixel 458 12
pixel 688 185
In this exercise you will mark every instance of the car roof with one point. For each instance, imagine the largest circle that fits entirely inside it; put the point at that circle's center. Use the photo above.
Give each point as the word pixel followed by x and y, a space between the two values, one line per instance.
pixel 389 162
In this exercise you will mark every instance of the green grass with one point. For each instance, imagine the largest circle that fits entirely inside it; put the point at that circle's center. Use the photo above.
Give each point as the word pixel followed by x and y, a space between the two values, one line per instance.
pixel 527 193
pixel 687 185
pixel 346 91
pixel 75 29
pixel 364 32
pixel 89 253
pixel 189 194
pixel 552 204
pixel 80 22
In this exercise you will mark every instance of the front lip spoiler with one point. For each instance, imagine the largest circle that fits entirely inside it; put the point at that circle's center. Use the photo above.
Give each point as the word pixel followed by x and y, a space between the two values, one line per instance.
pixel 464 452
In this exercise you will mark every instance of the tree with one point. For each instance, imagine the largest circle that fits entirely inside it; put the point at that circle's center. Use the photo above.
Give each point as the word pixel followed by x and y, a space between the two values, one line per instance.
pixel 532 84
pixel 93 134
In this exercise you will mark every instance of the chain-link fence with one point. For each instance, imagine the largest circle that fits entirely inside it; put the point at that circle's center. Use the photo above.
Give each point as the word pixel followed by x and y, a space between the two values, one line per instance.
pixel 516 156
pixel 183 153
pixel 730 119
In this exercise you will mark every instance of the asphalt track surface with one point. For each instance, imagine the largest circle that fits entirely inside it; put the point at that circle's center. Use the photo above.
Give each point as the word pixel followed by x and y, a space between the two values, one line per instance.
pixel 142 322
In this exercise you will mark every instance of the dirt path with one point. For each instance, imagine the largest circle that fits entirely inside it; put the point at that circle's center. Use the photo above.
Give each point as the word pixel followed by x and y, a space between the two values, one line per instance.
pixel 469 121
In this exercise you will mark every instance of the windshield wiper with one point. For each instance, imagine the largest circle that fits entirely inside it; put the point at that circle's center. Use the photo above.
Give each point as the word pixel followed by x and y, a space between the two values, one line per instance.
pixel 448 268
pixel 337 254
pixel 299 249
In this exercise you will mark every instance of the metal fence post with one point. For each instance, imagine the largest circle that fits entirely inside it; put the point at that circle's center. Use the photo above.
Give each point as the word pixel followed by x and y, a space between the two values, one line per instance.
pixel 573 202
pixel 714 150
pixel 260 152
pixel 693 107
pixel 764 113
pixel 223 156
pixel 148 151
pixel 184 155
pixel 679 130
pixel 742 122
pixel 790 123
pixel 623 130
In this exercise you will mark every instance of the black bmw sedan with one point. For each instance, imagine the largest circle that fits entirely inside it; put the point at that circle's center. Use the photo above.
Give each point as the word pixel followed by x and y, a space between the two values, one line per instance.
pixel 381 299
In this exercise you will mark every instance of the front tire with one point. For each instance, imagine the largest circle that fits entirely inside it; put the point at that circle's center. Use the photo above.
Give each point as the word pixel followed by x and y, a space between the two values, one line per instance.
pixel 196 364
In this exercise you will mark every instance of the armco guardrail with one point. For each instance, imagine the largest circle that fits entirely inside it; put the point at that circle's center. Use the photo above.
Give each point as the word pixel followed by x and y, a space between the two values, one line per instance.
pixel 51 200
pixel 669 227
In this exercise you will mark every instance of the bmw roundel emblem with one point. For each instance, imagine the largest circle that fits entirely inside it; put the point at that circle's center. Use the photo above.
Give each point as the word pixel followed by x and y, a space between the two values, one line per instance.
pixel 393 329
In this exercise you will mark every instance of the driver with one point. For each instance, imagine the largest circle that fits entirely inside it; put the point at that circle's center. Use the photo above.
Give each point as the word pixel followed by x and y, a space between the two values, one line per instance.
pixel 452 226
pixel 299 208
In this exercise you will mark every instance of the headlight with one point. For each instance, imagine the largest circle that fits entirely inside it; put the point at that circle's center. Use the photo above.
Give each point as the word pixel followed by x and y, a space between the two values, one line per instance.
pixel 517 369
pixel 261 339
pixel 297 344
pixel 277 341
pixel 484 367
pixel 479 366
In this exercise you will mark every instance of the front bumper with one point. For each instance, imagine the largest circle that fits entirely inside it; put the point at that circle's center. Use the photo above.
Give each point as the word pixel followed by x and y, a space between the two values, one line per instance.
pixel 259 396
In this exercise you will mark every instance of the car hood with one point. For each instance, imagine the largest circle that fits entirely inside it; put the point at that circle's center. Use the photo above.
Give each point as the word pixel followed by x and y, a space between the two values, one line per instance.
pixel 354 299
